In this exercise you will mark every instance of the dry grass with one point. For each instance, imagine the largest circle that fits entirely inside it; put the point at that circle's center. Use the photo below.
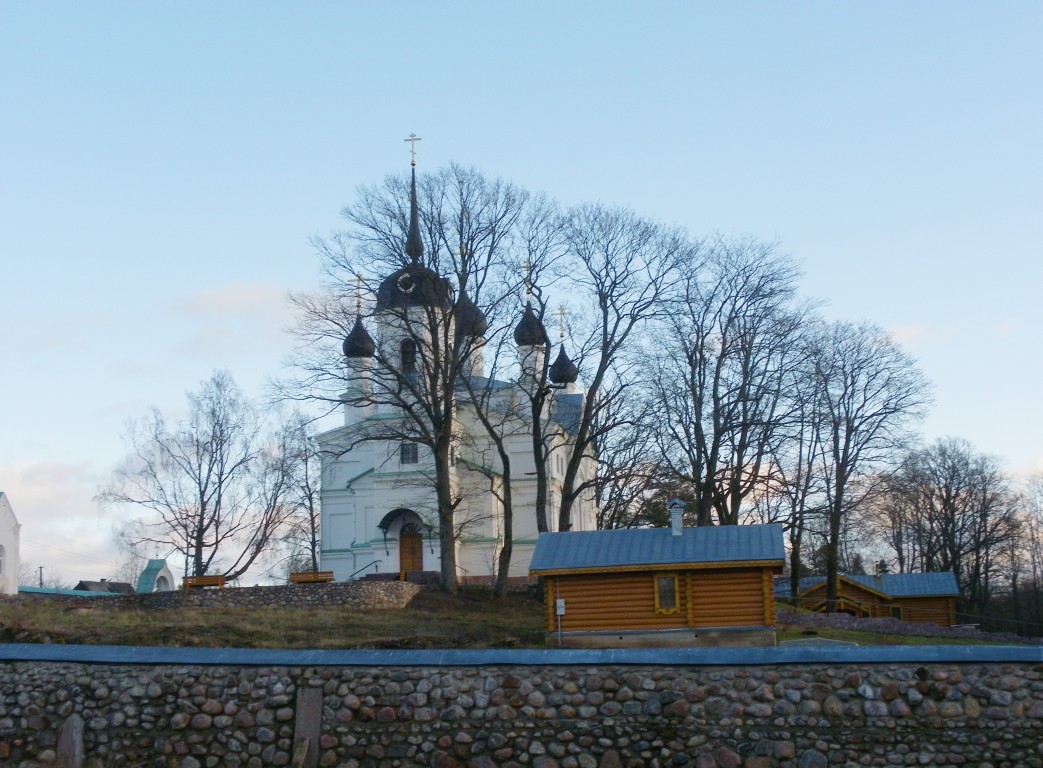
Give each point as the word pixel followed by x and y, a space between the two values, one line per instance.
pixel 472 619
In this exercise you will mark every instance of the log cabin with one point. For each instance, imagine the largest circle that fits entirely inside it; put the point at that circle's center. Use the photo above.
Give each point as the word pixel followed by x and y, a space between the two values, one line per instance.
pixel 916 597
pixel 660 587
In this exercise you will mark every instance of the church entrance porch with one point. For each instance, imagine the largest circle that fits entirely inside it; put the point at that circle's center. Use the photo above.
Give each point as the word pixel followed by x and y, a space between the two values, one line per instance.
pixel 410 549
pixel 407 531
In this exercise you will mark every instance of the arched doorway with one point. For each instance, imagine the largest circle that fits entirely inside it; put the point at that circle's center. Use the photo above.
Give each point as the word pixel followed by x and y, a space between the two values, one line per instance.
pixel 410 549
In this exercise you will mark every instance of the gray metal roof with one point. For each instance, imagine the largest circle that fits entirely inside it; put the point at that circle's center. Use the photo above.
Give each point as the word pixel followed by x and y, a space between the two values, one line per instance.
pixel 913 584
pixel 568 410
pixel 657 546
pixel 892 584
pixel 104 586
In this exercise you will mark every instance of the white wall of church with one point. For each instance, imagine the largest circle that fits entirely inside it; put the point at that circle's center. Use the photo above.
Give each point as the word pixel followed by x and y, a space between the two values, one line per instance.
pixel 10 558
pixel 369 484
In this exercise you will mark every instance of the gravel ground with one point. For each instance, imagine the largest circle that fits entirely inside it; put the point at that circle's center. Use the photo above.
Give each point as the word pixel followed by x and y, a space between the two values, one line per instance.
pixel 896 627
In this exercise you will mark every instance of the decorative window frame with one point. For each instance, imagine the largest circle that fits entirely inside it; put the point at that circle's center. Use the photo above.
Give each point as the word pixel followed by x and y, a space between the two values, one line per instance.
pixel 659 606
pixel 408 354
pixel 408 453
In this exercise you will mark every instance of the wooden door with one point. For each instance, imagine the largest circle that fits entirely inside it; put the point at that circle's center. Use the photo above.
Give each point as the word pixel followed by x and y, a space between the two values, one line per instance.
pixel 410 549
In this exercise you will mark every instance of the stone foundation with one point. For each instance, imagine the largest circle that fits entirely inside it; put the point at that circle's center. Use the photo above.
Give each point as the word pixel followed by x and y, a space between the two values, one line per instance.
pixel 343 594
pixel 570 710
pixel 722 637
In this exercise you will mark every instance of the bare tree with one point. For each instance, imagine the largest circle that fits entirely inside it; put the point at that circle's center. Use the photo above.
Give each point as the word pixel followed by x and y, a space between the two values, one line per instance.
pixel 300 537
pixel 721 379
pixel 215 493
pixel 30 575
pixel 622 269
pixel 796 482
pixel 870 389
pixel 629 479
pixel 455 223
pixel 950 508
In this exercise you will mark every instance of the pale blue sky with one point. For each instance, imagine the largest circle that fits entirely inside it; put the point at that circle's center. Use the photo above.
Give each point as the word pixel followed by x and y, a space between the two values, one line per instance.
pixel 163 166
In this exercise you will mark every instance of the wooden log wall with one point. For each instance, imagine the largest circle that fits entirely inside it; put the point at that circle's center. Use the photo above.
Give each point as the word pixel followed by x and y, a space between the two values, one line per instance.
pixel 727 598
pixel 939 610
pixel 737 597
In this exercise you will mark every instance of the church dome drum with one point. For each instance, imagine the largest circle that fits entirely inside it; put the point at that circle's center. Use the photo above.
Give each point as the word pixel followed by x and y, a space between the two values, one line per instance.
pixel 413 286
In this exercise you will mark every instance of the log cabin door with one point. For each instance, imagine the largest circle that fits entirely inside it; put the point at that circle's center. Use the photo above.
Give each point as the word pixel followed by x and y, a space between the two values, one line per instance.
pixel 410 549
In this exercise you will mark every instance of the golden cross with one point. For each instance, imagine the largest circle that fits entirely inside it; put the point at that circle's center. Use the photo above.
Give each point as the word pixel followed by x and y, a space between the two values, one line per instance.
pixel 358 293
pixel 561 322
pixel 413 139
pixel 527 266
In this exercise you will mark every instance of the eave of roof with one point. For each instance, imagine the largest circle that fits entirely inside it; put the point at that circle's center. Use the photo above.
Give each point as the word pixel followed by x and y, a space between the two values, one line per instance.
pixel 659 548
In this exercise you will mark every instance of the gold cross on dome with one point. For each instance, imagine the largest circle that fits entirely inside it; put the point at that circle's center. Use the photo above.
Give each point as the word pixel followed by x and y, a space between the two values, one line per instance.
pixel 526 268
pixel 413 139
pixel 358 293
pixel 560 312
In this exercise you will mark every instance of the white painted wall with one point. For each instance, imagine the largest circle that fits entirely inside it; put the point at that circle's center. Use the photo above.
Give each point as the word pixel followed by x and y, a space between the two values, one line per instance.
pixel 10 558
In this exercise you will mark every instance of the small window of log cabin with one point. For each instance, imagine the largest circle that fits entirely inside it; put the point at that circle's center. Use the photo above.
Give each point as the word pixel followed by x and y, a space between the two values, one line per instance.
pixel 666 600
pixel 896 612
pixel 407 351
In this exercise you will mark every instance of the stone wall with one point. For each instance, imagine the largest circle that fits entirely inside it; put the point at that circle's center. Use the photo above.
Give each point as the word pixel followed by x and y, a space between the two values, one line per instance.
pixel 567 712
pixel 343 594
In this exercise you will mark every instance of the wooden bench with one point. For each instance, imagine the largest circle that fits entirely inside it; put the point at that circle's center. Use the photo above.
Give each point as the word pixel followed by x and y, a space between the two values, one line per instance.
pixel 311 577
pixel 198 582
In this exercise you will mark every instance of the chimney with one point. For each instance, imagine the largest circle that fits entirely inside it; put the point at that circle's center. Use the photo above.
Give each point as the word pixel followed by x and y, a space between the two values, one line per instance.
pixel 676 509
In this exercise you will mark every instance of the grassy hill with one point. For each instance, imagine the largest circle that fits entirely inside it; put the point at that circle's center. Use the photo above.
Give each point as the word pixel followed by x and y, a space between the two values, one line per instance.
pixel 471 619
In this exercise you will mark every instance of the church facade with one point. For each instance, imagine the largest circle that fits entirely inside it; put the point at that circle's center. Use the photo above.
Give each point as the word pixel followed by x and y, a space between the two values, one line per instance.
pixel 10 560
pixel 379 509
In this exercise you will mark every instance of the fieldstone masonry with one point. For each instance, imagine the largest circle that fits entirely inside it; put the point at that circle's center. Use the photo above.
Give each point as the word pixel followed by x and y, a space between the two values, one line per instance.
pixel 543 716
pixel 356 595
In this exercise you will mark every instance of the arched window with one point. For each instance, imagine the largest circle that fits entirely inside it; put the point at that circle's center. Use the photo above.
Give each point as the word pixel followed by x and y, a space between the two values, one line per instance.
pixel 3 559
pixel 408 353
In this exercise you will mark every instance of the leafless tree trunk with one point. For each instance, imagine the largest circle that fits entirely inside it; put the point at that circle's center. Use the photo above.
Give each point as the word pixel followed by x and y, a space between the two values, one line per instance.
pixel 622 271
pixel 949 508
pixel 302 533
pixel 467 225
pixel 720 381
pixel 217 493
pixel 870 390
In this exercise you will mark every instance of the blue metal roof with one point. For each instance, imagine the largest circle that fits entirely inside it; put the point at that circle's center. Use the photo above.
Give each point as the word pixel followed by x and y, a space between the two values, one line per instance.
pixel 657 546
pixel 892 584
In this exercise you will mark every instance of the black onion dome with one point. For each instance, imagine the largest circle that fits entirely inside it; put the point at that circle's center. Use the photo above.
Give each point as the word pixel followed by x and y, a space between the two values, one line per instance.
pixel 563 370
pixel 359 343
pixel 413 286
pixel 530 331
pixel 469 319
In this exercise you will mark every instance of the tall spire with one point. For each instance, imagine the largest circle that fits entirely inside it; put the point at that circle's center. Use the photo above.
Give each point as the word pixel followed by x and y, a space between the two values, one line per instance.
pixel 414 245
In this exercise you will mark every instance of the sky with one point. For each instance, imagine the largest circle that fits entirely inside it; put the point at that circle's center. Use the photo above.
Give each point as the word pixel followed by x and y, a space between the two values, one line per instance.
pixel 163 167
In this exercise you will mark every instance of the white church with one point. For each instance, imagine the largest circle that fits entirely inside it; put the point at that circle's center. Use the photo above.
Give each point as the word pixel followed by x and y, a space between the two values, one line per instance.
pixel 9 555
pixel 379 511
